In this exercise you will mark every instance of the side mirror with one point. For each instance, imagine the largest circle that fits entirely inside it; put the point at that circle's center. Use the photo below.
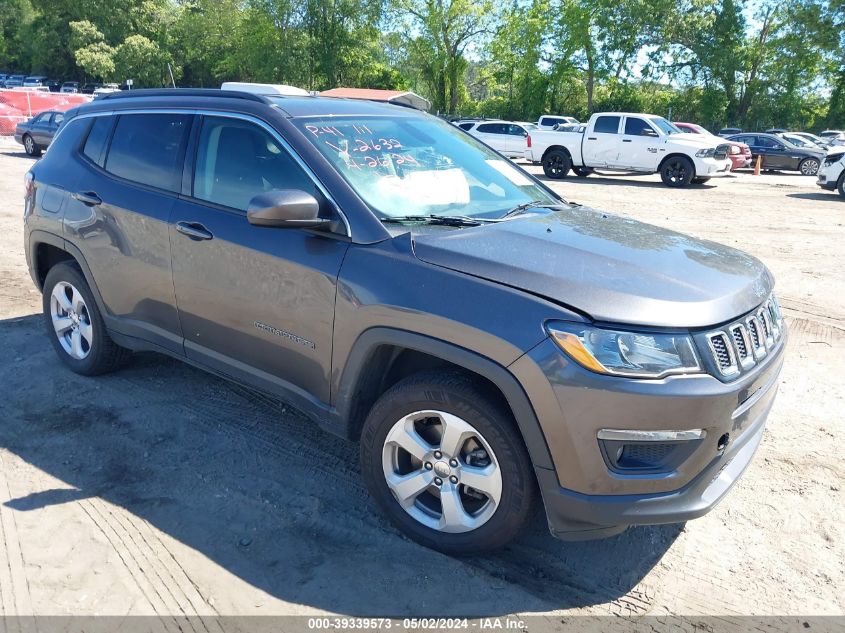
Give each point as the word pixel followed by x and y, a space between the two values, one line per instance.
pixel 285 209
pixel 524 134
pixel 648 132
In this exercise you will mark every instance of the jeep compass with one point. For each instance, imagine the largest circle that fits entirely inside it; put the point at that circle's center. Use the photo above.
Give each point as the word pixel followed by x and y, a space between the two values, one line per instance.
pixel 492 347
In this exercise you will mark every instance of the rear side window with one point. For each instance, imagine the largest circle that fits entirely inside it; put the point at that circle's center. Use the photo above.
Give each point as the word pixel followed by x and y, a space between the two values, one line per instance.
pixel 635 127
pixel 491 128
pixel 607 125
pixel 237 160
pixel 466 126
pixel 97 139
pixel 550 120
pixel 148 148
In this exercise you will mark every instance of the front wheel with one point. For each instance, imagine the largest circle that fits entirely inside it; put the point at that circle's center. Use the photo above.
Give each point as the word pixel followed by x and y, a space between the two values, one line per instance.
pixel 443 460
pixel 556 164
pixel 809 167
pixel 677 171
pixel 30 147
pixel 840 187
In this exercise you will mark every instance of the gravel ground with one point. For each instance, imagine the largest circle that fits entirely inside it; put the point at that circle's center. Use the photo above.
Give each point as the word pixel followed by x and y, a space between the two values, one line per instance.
pixel 161 490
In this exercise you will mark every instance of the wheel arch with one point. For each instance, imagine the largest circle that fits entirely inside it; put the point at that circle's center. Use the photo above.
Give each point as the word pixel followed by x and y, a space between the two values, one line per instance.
pixel 383 356
pixel 551 148
pixel 677 155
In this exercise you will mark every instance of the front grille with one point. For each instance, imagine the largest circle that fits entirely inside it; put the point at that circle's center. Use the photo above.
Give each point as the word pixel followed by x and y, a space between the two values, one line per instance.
pixel 722 152
pixel 744 343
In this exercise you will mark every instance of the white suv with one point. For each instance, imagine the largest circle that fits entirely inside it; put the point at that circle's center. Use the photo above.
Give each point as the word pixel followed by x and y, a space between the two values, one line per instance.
pixel 831 175
pixel 549 121
pixel 506 137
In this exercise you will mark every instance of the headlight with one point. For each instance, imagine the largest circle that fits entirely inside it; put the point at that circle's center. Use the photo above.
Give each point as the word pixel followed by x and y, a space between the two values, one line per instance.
pixel 830 159
pixel 625 353
pixel 735 149
pixel 706 153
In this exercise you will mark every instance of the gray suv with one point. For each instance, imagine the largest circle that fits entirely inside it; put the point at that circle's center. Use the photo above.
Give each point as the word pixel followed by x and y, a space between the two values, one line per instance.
pixel 491 346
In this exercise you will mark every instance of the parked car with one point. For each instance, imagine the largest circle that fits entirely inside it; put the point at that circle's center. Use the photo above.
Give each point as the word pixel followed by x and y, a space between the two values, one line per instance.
pixel 738 153
pixel 776 130
pixel 34 81
pixel 832 172
pixel 835 140
pixel 626 141
pixel 70 87
pixel 14 81
pixel 729 131
pixel 491 346
pixel 3 77
pixel 506 137
pixel 89 89
pixel 779 154
pixel 36 134
pixel 831 133
pixel 105 89
pixel 817 140
pixel 549 121
pixel 799 140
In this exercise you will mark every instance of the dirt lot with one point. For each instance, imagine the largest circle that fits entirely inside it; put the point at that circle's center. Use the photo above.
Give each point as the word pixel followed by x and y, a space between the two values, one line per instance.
pixel 162 490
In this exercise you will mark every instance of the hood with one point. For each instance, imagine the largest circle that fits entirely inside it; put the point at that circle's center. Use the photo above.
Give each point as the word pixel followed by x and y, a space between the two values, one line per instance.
pixel 696 141
pixel 613 269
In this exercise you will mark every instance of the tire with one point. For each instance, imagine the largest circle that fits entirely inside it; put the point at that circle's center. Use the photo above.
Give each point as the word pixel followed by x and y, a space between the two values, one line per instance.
pixel 582 172
pixel 677 171
pixel 427 403
pixel 809 166
pixel 30 147
pixel 840 186
pixel 82 343
pixel 700 180
pixel 556 164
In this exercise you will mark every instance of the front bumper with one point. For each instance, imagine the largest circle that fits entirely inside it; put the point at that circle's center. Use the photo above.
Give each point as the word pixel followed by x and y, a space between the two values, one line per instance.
pixel 712 168
pixel 828 176
pixel 584 496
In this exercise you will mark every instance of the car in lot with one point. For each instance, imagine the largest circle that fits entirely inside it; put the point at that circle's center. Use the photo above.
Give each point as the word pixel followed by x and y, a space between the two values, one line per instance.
pixel 630 142
pixel 34 81
pixel 491 346
pixel 552 121
pixel 816 140
pixel 71 87
pixel 799 140
pixel 831 174
pixel 36 134
pixel 738 153
pixel 506 137
pixel 729 131
pixel 778 154
pixel 14 81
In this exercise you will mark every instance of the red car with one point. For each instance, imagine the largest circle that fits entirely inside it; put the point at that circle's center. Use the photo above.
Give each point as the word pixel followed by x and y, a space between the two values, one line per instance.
pixel 739 153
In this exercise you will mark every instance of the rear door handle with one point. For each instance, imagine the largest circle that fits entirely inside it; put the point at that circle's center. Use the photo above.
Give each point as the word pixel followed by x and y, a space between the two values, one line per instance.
pixel 626 140
pixel 592 138
pixel 88 198
pixel 194 230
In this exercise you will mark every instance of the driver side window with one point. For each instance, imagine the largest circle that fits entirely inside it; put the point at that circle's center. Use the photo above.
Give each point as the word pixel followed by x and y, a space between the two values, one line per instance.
pixel 236 160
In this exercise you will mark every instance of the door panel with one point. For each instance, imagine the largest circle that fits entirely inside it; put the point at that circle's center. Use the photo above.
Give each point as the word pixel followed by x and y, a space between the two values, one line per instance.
pixel 638 151
pixel 256 301
pixel 125 237
pixel 601 144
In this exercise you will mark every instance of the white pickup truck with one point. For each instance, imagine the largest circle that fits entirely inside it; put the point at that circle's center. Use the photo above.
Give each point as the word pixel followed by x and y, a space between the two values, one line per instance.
pixel 630 142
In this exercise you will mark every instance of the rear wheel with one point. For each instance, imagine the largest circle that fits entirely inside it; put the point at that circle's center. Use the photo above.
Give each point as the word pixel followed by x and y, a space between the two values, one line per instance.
pixel 809 166
pixel 556 164
pixel 582 172
pixel 677 171
pixel 75 326
pixel 443 461
pixel 30 147
pixel 840 187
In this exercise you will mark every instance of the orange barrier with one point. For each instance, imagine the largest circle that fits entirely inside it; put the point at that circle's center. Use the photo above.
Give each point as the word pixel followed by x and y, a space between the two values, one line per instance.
pixel 21 105
pixel 757 165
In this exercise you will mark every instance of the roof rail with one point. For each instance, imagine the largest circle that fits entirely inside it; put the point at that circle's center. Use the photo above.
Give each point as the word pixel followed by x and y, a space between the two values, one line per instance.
pixel 184 92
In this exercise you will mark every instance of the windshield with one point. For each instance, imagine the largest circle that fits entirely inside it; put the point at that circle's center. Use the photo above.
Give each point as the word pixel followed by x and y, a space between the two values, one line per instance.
pixel 664 126
pixel 407 166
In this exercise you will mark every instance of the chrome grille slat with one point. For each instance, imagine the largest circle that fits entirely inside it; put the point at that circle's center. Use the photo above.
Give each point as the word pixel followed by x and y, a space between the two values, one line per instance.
pixel 742 344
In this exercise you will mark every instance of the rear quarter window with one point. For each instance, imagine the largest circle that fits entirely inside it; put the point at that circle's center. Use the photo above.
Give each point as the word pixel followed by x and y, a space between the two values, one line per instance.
pixel 607 125
pixel 149 149
pixel 97 138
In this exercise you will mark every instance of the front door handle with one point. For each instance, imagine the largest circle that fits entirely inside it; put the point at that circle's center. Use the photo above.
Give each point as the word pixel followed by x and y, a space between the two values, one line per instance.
pixel 88 198
pixel 592 138
pixel 194 230
pixel 626 140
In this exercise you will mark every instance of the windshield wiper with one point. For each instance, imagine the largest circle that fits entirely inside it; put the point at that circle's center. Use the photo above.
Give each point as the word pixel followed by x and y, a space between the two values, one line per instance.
pixel 522 208
pixel 444 220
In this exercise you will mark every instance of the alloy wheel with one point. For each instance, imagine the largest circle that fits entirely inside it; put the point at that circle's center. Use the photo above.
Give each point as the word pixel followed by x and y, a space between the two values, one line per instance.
pixel 29 145
pixel 810 167
pixel 442 471
pixel 676 171
pixel 71 320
